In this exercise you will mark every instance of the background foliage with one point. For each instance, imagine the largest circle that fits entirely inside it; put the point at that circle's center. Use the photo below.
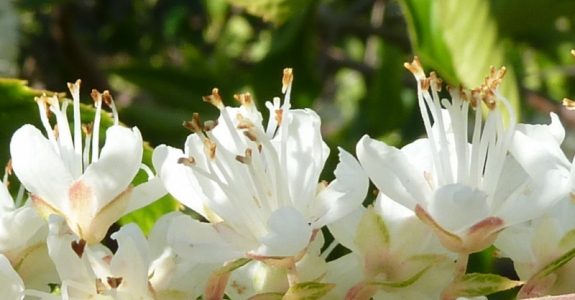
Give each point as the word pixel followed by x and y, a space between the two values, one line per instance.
pixel 158 57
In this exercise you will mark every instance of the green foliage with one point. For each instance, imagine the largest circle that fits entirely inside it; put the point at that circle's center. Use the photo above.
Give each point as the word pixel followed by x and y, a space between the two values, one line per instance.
pixel 160 57
pixel 17 107
pixel 459 39
pixel 476 284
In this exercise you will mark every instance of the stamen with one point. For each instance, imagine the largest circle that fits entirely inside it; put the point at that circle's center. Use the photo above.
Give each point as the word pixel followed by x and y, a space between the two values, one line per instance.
pixel 195 124
pixel 97 97
pixel 187 161
pixel 75 92
pixel 210 125
pixel 278 116
pixel 114 282
pixel 415 68
pixel 287 80
pixel 87 129
pixel 42 102
pixel 107 97
pixel 210 148
pixel 214 99
pixel 246 158
pixel 245 99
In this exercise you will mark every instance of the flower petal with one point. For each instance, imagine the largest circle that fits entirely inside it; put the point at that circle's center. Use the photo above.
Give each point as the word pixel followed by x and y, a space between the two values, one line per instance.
pixel 146 193
pixel 177 179
pixel 117 166
pixel 288 234
pixel 342 195
pixel 38 167
pixel 456 207
pixel 11 284
pixel 306 156
pixel 392 172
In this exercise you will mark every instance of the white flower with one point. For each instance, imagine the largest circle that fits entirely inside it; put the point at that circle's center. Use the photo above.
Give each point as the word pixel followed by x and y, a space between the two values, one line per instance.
pixel 467 188
pixel 139 269
pixel 394 255
pixel 65 176
pixel 259 186
pixel 534 246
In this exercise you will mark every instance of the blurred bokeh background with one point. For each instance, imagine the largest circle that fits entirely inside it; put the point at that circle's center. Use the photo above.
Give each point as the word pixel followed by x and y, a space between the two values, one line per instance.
pixel 159 57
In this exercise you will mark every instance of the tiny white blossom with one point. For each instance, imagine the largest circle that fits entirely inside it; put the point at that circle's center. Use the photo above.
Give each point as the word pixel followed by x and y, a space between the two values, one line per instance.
pixel 259 186
pixel 467 188
pixel 90 187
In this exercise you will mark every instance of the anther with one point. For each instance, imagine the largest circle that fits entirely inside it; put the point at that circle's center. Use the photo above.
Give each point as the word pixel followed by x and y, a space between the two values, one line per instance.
pixel 415 68
pixel 107 98
pixel 287 79
pixel 114 282
pixel 194 124
pixel 214 99
pixel 247 158
pixel 279 116
pixel 210 148
pixel 244 99
pixel 210 124
pixel 96 96
pixel 78 247
pixel 187 161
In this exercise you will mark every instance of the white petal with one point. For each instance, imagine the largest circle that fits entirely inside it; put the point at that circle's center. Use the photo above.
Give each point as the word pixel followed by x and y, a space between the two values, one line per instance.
pixel 515 242
pixel 345 272
pixel 146 193
pixel 19 227
pixel 11 284
pixel 306 156
pixel 117 166
pixel 288 233
pixel 345 229
pixel 38 166
pixel 535 198
pixel 534 156
pixel 177 178
pixel 198 242
pixel 6 201
pixel 131 261
pixel 392 172
pixel 342 195
pixel 456 207
pixel 67 262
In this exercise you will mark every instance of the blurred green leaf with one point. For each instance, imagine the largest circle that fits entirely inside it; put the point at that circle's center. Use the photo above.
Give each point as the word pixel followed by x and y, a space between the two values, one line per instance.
pixel 17 107
pixel 459 40
pixel 275 11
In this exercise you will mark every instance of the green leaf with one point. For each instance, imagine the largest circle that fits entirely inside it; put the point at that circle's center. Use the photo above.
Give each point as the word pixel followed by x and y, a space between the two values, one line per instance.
pixel 477 284
pixel 275 11
pixel 267 296
pixel 308 291
pixel 459 39
pixel 17 108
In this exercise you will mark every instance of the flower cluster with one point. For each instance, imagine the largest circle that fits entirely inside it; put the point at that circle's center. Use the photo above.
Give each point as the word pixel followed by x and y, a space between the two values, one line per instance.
pixel 477 180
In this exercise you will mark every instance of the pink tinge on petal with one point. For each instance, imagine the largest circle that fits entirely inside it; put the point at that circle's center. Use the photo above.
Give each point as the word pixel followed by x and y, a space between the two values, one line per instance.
pixel 119 162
